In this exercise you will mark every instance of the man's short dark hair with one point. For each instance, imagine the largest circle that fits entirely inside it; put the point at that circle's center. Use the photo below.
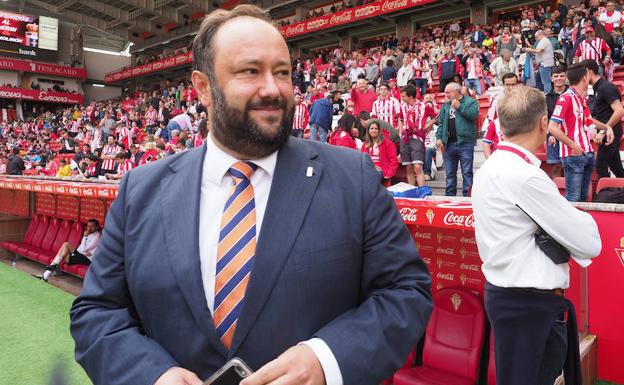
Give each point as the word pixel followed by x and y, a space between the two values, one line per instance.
pixel 591 65
pixel 575 73
pixel 16 151
pixel 94 221
pixel 409 90
pixel 558 69
pixel 509 75
pixel 203 47
pixel 390 63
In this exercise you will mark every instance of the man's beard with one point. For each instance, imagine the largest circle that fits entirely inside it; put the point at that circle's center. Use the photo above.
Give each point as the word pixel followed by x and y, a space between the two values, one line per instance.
pixel 237 131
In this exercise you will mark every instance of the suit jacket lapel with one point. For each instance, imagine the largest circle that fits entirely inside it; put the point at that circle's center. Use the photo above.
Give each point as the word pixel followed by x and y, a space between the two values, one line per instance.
pixel 291 193
pixel 182 236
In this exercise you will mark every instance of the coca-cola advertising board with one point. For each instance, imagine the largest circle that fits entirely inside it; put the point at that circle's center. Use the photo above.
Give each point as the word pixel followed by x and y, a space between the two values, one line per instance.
pixel 77 189
pixel 156 66
pixel 42 68
pixel 362 12
pixel 41 96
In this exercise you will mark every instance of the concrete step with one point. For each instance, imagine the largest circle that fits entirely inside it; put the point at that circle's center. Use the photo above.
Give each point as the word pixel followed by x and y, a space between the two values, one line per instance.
pixel 438 185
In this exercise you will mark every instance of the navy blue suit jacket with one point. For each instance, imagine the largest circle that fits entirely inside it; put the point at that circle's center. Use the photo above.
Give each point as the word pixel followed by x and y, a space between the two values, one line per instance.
pixel 334 261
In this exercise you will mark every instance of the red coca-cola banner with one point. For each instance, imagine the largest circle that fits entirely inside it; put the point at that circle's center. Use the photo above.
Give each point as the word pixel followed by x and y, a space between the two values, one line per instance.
pixel 158 65
pixel 350 15
pixel 86 190
pixel 42 68
pixel 41 96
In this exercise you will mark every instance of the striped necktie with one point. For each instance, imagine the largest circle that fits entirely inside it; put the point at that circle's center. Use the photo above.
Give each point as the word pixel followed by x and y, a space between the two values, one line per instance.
pixel 235 252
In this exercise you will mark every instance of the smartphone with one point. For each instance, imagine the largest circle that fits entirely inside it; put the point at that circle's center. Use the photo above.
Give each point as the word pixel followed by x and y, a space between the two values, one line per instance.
pixel 232 373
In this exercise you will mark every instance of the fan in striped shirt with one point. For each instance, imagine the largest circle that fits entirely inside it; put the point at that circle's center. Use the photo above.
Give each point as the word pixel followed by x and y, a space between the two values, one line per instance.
pixel 124 164
pixel 386 108
pixel 108 155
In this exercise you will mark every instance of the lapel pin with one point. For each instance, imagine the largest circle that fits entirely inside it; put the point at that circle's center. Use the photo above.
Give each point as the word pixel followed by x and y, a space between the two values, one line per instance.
pixel 310 172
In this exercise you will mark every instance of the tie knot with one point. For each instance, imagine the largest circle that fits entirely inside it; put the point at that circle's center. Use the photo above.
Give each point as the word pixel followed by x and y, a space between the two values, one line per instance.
pixel 243 170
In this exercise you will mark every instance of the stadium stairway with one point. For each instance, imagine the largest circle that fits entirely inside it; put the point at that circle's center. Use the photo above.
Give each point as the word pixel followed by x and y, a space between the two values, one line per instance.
pixel 439 183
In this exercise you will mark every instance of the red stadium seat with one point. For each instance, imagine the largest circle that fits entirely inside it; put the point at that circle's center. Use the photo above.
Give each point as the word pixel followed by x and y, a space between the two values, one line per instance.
pixel 609 182
pixel 38 235
pixel 46 257
pixel 453 342
pixel 47 241
pixel 560 182
pixel 74 238
pixel 32 227
pixel 408 364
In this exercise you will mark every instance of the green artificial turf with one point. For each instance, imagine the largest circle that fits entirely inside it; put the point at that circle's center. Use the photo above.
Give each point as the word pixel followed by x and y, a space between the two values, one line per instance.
pixel 34 333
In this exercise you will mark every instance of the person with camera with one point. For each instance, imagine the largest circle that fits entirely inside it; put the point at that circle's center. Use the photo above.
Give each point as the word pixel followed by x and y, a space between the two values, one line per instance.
pixel 527 270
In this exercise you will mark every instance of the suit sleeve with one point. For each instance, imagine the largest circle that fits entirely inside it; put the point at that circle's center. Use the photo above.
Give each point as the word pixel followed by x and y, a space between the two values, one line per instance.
pixel 396 297
pixel 110 343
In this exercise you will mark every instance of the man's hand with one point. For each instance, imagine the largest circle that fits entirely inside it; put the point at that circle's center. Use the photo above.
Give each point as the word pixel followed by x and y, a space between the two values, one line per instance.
pixel 455 103
pixel 178 376
pixel 552 140
pixel 296 366
pixel 576 150
pixel 599 137
pixel 610 136
pixel 439 144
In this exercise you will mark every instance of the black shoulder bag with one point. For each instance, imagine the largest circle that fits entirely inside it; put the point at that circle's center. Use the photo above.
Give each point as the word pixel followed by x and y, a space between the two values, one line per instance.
pixel 549 246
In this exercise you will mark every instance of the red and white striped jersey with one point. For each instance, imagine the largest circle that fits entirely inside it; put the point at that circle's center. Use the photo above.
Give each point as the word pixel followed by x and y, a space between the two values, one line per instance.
pixel 420 63
pixel 388 110
pixel 110 150
pixel 124 167
pixel 302 116
pixel 572 112
pixel 124 134
pixel 494 134
pixel 150 117
pixel 415 118
pixel 594 49
pixel 198 140
pixel 74 126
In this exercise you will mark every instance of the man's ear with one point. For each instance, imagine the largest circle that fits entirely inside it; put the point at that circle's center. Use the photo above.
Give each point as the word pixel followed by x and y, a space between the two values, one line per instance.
pixel 202 87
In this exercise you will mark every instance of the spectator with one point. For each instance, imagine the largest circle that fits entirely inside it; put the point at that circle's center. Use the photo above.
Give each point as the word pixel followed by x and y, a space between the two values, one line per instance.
pixel 124 164
pixel 606 108
pixel 474 71
pixel 372 71
pixel 477 37
pixel 457 133
pixel 382 151
pixel 384 60
pixel 422 71
pixel 611 18
pixel 64 170
pixel 506 41
pixel 494 133
pixel 179 122
pixel 343 135
pixel 388 72
pixel 355 72
pixel 558 78
pixel 593 47
pixel 321 119
pixel 301 118
pixel 572 114
pixel 107 125
pixel 544 56
pixel 76 256
pixel 448 67
pixel 386 107
pixel 405 73
pixel 504 64
pixel 15 165
pixel 387 129
pixel 363 97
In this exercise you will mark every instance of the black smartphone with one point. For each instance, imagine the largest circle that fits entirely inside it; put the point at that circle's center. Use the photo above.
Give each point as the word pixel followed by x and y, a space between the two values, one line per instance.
pixel 232 373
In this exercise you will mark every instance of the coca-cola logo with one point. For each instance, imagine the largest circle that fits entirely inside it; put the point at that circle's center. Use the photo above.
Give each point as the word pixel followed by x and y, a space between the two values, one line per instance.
pixel 470 241
pixel 445 251
pixel 103 193
pixel 471 267
pixel 295 29
pixel 87 192
pixel 419 235
pixel 408 214
pixel 366 11
pixel 345 17
pixel 73 190
pixel 450 219
pixel 446 277
pixel 427 261
pixel 314 24
pixel 392 5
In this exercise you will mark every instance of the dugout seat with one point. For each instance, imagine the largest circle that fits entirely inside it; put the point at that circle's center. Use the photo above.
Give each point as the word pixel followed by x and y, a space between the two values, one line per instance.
pixel 38 235
pixel 46 256
pixel 453 342
pixel 28 236
pixel 47 241
pixel 74 238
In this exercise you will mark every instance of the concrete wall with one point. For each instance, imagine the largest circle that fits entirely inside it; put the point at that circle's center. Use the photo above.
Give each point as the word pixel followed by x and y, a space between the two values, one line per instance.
pixel 70 84
pixel 9 77
pixel 98 93
pixel 99 64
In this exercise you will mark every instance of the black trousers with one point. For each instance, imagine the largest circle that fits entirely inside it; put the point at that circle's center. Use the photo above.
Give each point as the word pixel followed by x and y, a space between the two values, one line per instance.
pixel 608 157
pixel 532 341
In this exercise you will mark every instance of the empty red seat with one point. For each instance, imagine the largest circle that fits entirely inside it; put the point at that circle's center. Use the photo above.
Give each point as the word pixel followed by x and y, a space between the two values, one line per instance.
pixel 37 238
pixel 609 182
pixel 46 243
pixel 453 342
pixel 46 256
pixel 30 231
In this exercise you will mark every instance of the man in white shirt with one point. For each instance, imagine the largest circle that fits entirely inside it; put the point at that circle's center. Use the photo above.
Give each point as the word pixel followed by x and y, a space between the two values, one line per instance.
pixel 524 289
pixel 76 256
pixel 405 73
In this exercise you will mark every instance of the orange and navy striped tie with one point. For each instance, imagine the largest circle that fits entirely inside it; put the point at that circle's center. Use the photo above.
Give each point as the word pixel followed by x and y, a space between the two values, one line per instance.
pixel 235 252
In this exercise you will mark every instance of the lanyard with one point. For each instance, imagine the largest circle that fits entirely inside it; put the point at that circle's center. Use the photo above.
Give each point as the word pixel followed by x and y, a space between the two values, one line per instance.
pixel 502 147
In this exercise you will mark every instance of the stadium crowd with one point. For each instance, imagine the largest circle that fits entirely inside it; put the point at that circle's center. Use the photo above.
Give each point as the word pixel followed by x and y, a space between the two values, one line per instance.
pixel 382 100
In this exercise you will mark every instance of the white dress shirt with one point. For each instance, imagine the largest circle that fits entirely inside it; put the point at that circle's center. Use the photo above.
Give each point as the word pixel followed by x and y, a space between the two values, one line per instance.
pixel 216 185
pixel 504 234
pixel 88 244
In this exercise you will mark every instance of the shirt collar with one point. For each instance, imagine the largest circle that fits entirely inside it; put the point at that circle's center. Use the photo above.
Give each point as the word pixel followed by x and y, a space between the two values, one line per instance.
pixel 219 162
pixel 534 159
